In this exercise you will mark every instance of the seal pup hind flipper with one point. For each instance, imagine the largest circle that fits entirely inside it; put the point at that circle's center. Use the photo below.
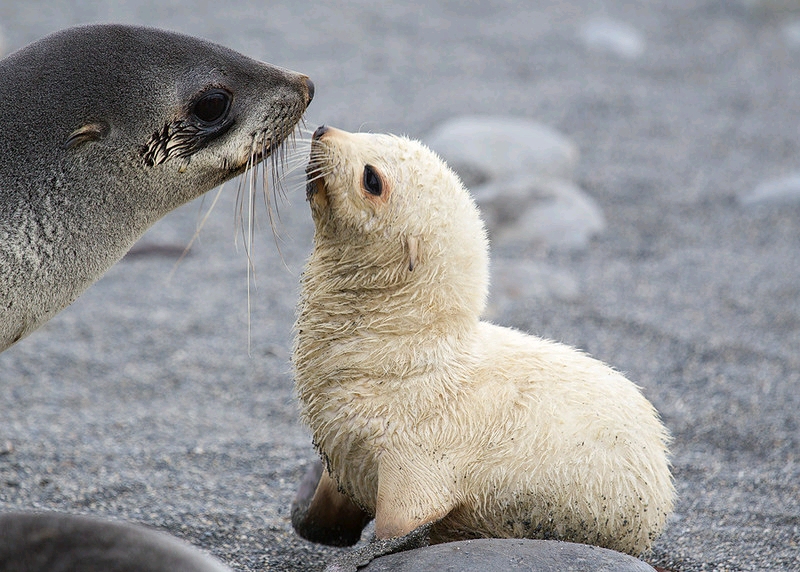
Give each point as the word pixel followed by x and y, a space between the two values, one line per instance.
pixel 322 514
pixel 106 129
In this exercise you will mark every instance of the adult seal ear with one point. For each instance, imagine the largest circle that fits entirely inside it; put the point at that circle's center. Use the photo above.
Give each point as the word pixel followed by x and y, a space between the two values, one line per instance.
pixel 106 129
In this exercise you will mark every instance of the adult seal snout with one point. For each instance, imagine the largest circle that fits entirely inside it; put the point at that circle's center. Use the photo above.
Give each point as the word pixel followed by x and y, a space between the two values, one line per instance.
pixel 107 128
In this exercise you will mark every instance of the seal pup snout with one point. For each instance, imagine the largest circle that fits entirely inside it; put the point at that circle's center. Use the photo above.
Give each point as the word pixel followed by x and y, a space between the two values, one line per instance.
pixel 319 132
pixel 314 177
pixel 320 164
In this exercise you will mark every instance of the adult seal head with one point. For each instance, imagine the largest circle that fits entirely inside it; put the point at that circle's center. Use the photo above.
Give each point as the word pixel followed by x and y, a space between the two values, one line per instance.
pixel 428 416
pixel 107 128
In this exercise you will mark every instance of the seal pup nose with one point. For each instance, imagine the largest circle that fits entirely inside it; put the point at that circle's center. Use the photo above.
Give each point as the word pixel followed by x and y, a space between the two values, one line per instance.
pixel 310 88
pixel 320 131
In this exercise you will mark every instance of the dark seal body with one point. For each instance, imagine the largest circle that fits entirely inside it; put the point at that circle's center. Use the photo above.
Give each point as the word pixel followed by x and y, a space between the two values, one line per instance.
pixel 105 129
pixel 54 542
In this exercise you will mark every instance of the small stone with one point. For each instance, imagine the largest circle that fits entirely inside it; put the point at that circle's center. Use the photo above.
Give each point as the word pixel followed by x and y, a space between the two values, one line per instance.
pixel 791 34
pixel 6 447
pixel 508 554
pixel 531 210
pixel 514 279
pixel 776 191
pixel 485 148
pixel 613 37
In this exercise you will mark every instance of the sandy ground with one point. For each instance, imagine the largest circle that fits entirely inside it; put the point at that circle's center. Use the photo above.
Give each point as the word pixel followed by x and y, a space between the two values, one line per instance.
pixel 142 400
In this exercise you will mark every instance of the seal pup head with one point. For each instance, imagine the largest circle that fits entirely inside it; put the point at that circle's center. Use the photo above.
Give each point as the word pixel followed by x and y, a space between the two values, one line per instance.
pixel 391 217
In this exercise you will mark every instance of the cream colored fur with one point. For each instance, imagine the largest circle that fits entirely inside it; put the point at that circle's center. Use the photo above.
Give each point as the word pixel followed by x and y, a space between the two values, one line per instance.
pixel 424 412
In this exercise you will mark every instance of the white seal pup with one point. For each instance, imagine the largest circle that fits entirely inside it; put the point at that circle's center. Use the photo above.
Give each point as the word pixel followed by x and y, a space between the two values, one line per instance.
pixel 426 415
pixel 107 128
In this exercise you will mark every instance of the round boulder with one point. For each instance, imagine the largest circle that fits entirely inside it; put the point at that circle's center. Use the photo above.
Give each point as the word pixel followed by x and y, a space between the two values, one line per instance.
pixel 43 542
pixel 508 554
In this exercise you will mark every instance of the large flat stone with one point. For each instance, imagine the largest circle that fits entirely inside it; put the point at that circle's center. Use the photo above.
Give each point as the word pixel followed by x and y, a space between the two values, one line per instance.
pixel 494 554
pixel 485 148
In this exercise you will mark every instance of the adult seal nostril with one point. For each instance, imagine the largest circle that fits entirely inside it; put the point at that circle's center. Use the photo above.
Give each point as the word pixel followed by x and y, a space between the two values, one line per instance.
pixel 106 129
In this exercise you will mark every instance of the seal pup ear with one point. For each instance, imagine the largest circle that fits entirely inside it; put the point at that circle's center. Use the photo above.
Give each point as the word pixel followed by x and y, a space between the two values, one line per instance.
pixel 412 243
pixel 93 131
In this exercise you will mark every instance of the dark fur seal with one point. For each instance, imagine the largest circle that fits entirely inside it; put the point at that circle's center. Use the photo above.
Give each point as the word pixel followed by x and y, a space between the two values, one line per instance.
pixel 47 542
pixel 105 129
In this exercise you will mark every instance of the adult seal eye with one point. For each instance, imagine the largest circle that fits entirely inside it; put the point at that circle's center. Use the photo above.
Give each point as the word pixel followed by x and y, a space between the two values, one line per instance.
pixel 372 182
pixel 212 107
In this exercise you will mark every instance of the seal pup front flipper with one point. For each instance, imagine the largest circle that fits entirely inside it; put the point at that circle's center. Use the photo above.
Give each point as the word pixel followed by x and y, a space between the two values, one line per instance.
pixel 411 494
pixel 322 513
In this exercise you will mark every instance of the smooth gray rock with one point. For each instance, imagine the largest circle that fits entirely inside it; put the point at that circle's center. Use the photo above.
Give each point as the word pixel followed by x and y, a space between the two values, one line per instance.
pixel 493 554
pixel 532 210
pixel 611 36
pixel 783 190
pixel 515 279
pixel 47 542
pixel 486 148
pixel 791 34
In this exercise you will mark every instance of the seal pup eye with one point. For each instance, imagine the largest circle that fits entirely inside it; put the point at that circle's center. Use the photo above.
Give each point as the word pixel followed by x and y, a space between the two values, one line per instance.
pixel 372 181
pixel 212 107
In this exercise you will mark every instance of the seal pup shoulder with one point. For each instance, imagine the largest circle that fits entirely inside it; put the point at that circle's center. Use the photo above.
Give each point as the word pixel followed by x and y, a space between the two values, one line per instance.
pixel 426 415
pixel 107 128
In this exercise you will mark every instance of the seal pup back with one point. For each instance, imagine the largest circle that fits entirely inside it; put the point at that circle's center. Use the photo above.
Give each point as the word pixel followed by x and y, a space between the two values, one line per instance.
pixel 426 415
pixel 106 129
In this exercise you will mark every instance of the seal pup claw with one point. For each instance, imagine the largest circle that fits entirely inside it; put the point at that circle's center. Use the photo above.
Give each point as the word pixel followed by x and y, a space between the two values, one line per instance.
pixel 426 416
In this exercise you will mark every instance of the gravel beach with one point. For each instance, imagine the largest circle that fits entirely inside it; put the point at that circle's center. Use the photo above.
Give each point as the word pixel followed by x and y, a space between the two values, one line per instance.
pixel 163 395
